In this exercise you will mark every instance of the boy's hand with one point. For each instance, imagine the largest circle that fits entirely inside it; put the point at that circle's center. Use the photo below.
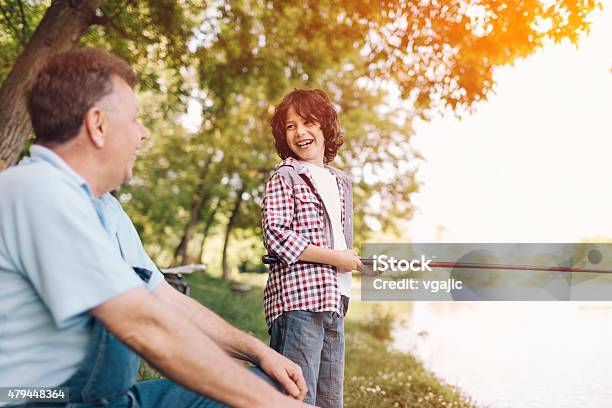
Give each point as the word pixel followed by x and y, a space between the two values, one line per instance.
pixel 347 260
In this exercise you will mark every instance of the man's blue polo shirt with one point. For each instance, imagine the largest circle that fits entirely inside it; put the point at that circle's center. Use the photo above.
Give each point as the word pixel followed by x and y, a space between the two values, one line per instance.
pixel 62 252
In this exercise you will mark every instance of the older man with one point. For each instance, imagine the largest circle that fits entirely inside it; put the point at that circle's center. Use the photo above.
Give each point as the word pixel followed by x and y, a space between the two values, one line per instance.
pixel 79 297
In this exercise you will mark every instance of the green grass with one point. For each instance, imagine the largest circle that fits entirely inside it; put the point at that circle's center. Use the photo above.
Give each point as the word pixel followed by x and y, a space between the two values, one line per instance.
pixel 375 375
pixel 243 310
pixel 378 376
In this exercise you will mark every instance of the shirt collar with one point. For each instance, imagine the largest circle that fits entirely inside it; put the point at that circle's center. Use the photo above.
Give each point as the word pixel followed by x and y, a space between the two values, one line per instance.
pixel 40 153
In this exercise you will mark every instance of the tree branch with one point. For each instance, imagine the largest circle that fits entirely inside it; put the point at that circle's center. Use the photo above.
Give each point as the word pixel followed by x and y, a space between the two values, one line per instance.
pixel 25 27
pixel 108 21
pixel 100 20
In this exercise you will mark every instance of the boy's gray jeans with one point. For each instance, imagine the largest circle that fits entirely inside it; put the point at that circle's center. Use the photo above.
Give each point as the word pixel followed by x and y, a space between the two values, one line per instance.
pixel 315 342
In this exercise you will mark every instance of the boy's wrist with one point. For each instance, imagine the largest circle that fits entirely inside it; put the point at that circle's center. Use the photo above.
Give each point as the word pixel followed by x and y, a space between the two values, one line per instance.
pixel 333 257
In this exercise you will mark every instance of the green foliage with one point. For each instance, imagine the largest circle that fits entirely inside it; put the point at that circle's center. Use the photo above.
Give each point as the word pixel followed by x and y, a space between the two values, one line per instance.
pixel 18 19
pixel 376 376
pixel 147 372
pixel 237 58
pixel 243 310
pixel 233 60
pixel 240 76
pixel 378 323
pixel 445 53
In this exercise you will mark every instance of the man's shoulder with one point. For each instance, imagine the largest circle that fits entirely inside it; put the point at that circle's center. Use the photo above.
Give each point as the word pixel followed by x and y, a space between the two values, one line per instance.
pixel 112 203
pixel 117 219
pixel 33 180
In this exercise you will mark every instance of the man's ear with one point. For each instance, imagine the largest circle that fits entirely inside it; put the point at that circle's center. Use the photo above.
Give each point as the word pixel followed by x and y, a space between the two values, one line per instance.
pixel 95 126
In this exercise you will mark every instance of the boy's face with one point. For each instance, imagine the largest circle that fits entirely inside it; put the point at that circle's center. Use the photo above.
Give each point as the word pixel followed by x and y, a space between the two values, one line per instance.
pixel 305 139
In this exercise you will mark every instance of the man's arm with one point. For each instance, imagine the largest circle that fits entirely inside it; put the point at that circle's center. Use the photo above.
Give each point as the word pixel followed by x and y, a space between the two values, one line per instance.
pixel 183 353
pixel 234 341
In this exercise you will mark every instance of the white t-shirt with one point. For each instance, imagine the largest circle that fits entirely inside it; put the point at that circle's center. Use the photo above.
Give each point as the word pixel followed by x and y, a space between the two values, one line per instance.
pixel 327 187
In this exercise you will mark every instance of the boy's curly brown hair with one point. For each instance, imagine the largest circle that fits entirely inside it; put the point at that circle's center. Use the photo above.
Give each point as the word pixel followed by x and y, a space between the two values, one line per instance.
pixel 312 105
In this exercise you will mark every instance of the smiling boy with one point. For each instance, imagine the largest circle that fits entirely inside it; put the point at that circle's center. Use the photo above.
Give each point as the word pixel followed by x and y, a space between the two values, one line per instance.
pixel 308 225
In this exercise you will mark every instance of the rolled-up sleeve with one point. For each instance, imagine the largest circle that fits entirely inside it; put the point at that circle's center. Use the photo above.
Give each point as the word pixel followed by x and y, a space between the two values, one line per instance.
pixel 278 209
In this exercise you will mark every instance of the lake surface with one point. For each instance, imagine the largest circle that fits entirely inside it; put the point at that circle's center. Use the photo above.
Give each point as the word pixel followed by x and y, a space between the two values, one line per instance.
pixel 516 354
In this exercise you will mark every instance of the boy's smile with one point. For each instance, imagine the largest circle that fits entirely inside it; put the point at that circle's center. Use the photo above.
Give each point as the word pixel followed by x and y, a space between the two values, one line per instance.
pixel 304 138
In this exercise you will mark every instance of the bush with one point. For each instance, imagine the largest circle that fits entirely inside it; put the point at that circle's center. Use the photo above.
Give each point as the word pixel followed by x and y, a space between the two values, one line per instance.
pixel 379 324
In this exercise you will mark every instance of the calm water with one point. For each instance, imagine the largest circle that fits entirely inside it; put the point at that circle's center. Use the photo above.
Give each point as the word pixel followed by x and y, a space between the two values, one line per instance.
pixel 516 354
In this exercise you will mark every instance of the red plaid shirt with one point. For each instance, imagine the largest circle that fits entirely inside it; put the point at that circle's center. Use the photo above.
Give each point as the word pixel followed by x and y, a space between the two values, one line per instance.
pixel 294 217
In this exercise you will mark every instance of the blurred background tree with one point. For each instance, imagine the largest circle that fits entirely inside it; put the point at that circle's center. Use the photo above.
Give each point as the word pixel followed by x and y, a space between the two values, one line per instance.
pixel 212 72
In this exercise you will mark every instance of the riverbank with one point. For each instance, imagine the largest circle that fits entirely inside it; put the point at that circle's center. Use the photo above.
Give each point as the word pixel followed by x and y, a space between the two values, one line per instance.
pixel 375 376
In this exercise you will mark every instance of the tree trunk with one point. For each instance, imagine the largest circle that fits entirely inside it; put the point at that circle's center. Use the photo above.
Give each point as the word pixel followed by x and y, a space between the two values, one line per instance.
pixel 60 29
pixel 180 254
pixel 228 231
pixel 209 222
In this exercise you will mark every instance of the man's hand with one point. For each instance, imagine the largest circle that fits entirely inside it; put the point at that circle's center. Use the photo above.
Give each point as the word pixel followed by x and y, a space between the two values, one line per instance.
pixel 241 345
pixel 285 372
pixel 183 352
pixel 347 260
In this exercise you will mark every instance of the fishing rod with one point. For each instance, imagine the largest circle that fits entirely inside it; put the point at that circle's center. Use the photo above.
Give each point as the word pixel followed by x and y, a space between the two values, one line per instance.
pixel 272 260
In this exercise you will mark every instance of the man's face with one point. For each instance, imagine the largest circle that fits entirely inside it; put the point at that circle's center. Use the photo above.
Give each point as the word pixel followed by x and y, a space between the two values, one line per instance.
pixel 305 139
pixel 125 132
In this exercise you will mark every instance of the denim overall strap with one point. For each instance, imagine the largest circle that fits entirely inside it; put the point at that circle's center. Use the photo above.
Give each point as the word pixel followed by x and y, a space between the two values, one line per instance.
pixel 109 368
